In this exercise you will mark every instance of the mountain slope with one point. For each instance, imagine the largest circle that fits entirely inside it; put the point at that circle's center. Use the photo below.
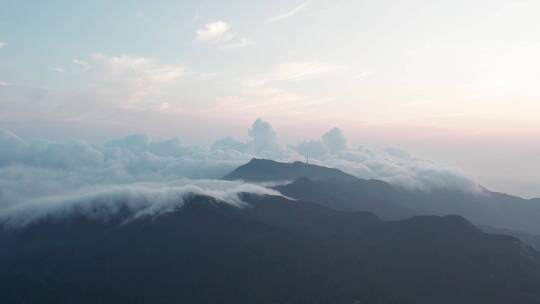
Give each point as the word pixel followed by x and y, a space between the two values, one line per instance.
pixel 358 195
pixel 485 208
pixel 264 170
pixel 533 240
pixel 273 251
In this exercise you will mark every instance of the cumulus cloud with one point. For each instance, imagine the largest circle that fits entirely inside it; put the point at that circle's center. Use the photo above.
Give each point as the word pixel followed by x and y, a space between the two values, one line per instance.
pixel 263 143
pixel 73 171
pixel 335 140
pixel 290 13
pixel 220 32
pixel 263 135
pixel 214 31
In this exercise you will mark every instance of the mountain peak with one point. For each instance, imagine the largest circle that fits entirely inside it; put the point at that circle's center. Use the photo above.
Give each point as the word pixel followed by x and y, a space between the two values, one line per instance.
pixel 261 170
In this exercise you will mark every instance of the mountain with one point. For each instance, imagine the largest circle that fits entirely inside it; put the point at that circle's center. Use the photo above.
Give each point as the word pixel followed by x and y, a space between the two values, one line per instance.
pixel 374 196
pixel 273 251
pixel 264 170
pixel 533 240
pixel 336 189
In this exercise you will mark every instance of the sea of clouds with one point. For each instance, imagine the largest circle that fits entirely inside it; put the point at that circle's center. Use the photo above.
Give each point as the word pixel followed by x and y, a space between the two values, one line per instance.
pixel 38 174
pixel 139 199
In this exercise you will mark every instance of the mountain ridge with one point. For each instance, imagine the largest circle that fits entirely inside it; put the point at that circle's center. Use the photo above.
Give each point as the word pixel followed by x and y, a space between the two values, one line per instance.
pixel 207 251
pixel 260 170
pixel 487 208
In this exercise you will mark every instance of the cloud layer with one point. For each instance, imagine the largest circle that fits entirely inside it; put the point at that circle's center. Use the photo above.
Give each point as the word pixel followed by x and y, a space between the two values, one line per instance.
pixel 138 199
pixel 66 174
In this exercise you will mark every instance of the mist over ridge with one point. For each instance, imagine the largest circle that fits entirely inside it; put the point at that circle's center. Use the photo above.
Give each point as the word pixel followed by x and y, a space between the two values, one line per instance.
pixel 106 203
pixel 35 169
pixel 53 167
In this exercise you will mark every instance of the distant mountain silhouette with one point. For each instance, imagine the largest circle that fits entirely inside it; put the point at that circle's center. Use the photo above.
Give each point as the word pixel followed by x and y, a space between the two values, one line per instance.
pixel 273 251
pixel 374 196
pixel 339 190
pixel 533 240
pixel 264 170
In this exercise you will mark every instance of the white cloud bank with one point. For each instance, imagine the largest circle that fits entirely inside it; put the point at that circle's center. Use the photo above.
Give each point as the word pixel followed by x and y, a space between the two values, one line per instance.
pixel 65 175
pixel 139 199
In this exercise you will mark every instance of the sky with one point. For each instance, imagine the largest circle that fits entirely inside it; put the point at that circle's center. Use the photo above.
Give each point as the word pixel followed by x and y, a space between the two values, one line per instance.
pixel 455 82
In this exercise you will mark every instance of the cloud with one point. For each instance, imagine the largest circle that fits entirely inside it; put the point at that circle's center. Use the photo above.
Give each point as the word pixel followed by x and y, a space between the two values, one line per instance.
pixel 263 144
pixel 253 99
pixel 407 172
pixel 12 147
pixel 146 70
pixel 124 62
pixel 391 164
pixel 263 135
pixel 301 70
pixel 4 83
pixel 228 144
pixel 33 169
pixel 2 44
pixel 240 43
pixel 220 33
pixel 135 81
pixel 85 66
pixel 73 171
pixel 293 71
pixel 272 92
pixel 214 31
pixel 363 74
pixel 335 140
pixel 290 13
pixel 313 148
pixel 138 199
pixel 59 70
pixel 123 86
